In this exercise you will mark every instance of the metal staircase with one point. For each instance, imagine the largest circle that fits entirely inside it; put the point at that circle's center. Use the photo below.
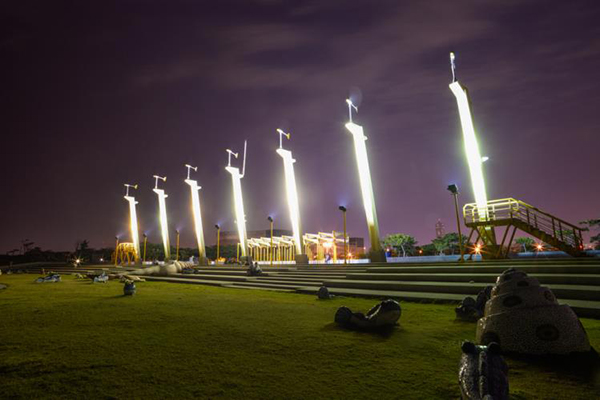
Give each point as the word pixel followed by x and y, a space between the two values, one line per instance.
pixel 520 215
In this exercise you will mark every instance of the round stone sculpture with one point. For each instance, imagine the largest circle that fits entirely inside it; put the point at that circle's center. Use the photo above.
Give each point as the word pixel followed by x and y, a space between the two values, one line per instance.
pixel 129 288
pixel 524 317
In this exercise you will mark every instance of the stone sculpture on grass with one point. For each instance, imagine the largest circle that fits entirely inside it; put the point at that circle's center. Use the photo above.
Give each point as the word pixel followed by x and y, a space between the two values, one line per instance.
pixel 323 293
pixel 524 317
pixel 384 314
pixel 471 309
pixel 482 373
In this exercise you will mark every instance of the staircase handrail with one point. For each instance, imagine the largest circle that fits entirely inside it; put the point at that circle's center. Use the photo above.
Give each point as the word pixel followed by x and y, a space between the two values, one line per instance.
pixel 514 207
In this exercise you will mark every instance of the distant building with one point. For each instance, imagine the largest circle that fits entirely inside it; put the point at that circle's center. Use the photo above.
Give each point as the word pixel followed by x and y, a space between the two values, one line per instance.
pixel 439 229
pixel 229 238
pixel 356 245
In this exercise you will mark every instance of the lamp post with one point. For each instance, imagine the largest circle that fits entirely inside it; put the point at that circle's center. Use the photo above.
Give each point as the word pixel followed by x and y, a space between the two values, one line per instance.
pixel 177 246
pixel 343 210
pixel 236 179
pixel 197 214
pixel 145 241
pixel 271 247
pixel 366 186
pixel 133 224
pixel 218 242
pixel 453 188
pixel 116 248
pixel 162 210
pixel 292 197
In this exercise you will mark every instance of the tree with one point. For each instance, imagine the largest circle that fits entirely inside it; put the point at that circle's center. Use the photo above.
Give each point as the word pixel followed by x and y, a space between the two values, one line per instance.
pixel 429 249
pixel 526 242
pixel 593 224
pixel 449 242
pixel 400 241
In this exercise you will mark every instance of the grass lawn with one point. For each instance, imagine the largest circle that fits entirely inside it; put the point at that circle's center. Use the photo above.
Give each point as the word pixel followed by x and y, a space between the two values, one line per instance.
pixel 75 339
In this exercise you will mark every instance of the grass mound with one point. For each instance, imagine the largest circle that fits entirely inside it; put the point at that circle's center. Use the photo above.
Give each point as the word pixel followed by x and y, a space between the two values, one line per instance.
pixel 77 339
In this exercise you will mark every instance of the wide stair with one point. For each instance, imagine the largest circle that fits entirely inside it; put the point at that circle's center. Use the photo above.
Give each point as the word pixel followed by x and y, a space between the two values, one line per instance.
pixel 574 281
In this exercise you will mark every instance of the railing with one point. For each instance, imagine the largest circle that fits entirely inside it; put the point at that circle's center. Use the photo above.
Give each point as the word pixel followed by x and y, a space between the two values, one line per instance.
pixel 511 209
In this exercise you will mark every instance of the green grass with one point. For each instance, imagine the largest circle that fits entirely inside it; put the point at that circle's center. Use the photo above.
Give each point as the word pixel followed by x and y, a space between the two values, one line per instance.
pixel 80 340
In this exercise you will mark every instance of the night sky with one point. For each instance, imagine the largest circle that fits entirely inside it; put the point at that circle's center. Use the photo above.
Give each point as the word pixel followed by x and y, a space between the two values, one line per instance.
pixel 98 94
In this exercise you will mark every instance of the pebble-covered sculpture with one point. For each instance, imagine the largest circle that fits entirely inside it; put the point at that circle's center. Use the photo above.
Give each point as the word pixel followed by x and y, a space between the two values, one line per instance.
pixel 51 278
pixel 471 309
pixel 386 313
pixel 323 293
pixel 101 278
pixel 482 372
pixel 254 270
pixel 524 317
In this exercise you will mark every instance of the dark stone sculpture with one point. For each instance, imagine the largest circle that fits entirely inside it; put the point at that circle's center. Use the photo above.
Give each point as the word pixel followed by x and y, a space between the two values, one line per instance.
pixel 386 313
pixel 482 373
pixel 129 288
pixel 471 309
pixel 254 270
pixel 323 293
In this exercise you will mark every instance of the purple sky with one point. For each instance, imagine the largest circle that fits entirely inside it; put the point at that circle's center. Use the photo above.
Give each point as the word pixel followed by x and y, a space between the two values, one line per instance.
pixel 98 94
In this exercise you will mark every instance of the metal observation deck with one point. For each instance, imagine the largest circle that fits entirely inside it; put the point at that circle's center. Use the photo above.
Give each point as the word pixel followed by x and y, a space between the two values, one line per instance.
pixel 520 215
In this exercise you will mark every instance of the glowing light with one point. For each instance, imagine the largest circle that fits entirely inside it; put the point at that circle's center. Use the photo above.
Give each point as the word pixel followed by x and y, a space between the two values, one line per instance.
pixel 162 209
pixel 133 223
pixel 539 247
pixel 366 185
pixel 236 179
pixel 194 188
pixel 291 191
pixel 474 158
pixel 327 245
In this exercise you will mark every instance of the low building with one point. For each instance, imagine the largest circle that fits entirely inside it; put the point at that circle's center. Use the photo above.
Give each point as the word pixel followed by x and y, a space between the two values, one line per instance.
pixel 232 238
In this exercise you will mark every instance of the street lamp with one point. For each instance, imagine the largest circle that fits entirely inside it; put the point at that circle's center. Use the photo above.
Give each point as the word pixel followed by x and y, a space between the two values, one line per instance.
pixel 177 249
pixel 453 188
pixel 145 241
pixel 116 248
pixel 271 248
pixel 133 224
pixel 343 210
pixel 218 242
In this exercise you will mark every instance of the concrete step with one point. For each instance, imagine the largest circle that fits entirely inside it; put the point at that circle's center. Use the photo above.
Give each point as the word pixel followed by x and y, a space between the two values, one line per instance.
pixel 577 292
pixel 470 269
pixel 184 280
pixel 259 288
pixel 271 285
pixel 584 309
pixel 490 278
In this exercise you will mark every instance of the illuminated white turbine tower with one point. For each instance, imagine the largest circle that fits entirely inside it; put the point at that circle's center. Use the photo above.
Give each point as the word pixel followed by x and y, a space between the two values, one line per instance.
pixel 133 224
pixel 162 209
pixel 474 158
pixel 196 211
pixel 236 179
pixel 366 186
pixel 292 195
